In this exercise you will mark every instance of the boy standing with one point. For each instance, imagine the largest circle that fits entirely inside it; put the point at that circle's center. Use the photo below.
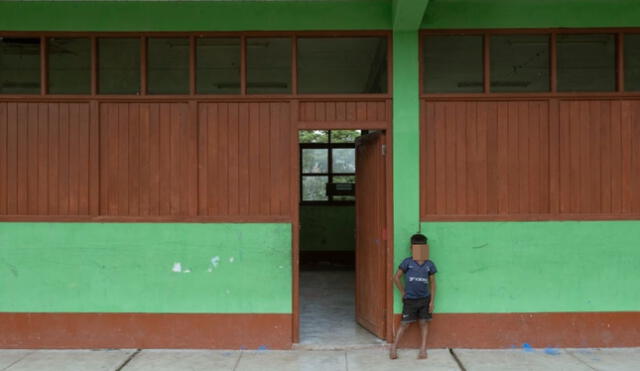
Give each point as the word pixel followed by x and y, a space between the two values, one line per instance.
pixel 418 294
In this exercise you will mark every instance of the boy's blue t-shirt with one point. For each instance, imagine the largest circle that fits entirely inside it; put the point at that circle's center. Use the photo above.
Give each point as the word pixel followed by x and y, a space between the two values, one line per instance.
pixel 417 278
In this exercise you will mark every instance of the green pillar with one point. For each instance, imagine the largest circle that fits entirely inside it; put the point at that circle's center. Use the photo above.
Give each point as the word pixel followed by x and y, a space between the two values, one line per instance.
pixel 406 141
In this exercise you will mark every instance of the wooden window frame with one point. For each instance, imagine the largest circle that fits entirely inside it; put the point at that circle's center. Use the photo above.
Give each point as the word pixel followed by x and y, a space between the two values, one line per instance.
pixel 192 36
pixel 553 65
pixel 329 146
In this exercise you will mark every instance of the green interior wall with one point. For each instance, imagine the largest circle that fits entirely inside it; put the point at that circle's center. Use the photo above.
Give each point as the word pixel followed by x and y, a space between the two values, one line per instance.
pixel 327 228
pixel 119 267
pixel 470 14
pixel 501 267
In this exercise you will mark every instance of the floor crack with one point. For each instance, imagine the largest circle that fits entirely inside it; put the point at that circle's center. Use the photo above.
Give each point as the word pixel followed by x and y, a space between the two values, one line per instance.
pixel 455 358
pixel 580 360
pixel 235 367
pixel 18 360
pixel 126 361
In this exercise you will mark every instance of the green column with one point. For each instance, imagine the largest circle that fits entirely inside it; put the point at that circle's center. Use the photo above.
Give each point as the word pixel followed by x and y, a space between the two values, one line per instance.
pixel 406 171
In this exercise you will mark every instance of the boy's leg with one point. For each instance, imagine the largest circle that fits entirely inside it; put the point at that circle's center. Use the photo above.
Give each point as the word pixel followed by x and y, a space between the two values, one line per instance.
pixel 424 330
pixel 393 352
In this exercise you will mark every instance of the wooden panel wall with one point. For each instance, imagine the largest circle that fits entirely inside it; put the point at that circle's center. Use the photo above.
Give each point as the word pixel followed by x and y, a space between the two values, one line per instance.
pixel 244 155
pixel 146 161
pixel 344 114
pixel 44 158
pixel 540 159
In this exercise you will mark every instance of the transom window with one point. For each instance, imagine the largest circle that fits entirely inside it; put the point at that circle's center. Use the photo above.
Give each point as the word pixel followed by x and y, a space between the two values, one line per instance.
pixel 182 64
pixel 520 62
pixel 327 165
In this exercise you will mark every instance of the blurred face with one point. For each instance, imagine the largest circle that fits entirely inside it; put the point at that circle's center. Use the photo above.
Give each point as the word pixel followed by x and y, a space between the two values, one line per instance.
pixel 420 253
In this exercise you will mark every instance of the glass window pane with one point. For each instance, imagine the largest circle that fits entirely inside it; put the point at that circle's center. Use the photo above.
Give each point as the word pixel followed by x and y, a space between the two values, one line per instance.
pixel 342 65
pixel 520 63
pixel 586 62
pixel 453 64
pixel 632 62
pixel 344 179
pixel 315 161
pixel 344 160
pixel 314 188
pixel 344 136
pixel 218 65
pixel 168 65
pixel 19 66
pixel 268 65
pixel 118 66
pixel 69 65
pixel 313 136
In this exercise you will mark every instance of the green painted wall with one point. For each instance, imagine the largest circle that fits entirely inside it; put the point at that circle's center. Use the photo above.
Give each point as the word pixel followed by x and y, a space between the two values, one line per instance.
pixel 194 15
pixel 467 14
pixel 114 267
pixel 327 228
pixel 500 267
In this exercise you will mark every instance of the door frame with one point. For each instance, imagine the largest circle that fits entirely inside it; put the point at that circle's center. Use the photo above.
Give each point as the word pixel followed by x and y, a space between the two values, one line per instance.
pixel 389 256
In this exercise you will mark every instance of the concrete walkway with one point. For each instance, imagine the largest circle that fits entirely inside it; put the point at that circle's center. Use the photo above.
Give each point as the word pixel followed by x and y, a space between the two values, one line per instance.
pixel 370 359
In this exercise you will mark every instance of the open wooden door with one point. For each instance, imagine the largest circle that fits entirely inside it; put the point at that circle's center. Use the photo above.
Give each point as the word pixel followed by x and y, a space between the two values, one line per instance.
pixel 370 233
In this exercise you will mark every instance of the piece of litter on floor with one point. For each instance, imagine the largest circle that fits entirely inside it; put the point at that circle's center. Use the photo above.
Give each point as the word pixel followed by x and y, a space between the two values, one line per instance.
pixel 551 351
pixel 527 348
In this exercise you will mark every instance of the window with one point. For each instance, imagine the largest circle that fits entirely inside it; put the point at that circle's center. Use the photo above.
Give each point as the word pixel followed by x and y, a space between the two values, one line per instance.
pixel 453 64
pixel 268 65
pixel 19 65
pixel 632 62
pixel 519 63
pixel 118 66
pixel 342 65
pixel 218 65
pixel 586 62
pixel 327 157
pixel 69 65
pixel 168 65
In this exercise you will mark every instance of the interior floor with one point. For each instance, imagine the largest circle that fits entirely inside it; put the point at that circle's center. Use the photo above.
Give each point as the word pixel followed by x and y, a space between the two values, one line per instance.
pixel 327 311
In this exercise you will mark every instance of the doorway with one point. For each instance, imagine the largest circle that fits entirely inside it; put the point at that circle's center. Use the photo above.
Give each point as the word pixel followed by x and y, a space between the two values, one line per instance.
pixel 343 244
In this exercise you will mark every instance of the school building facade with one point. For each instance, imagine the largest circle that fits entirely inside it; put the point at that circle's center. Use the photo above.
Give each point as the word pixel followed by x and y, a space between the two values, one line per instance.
pixel 150 167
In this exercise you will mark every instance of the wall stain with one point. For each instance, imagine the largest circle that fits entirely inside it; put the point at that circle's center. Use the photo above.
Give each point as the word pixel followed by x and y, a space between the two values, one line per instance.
pixel 481 246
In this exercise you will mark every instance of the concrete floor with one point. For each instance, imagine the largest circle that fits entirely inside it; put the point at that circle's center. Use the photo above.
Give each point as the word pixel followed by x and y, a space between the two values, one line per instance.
pixel 371 359
pixel 327 312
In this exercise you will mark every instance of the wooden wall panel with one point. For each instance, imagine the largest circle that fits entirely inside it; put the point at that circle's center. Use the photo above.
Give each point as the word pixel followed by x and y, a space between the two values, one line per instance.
pixel 344 112
pixel 148 162
pixel 244 152
pixel 538 159
pixel 44 158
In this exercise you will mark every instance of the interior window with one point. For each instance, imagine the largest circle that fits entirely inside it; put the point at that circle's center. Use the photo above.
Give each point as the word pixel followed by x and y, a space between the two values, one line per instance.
pixel 632 62
pixel 453 64
pixel 69 65
pixel 218 65
pixel 519 63
pixel 342 65
pixel 168 65
pixel 268 65
pixel 586 62
pixel 19 65
pixel 118 65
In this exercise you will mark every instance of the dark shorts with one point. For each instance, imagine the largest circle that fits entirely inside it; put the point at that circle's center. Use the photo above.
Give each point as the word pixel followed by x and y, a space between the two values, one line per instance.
pixel 415 309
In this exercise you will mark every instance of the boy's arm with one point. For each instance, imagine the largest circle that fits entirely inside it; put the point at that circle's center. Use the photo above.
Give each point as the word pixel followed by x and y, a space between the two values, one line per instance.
pixel 398 281
pixel 432 288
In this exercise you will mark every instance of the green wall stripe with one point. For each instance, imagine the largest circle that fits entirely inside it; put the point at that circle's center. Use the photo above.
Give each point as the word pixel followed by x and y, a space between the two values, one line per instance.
pixel 469 14
pixel 194 15
pixel 118 267
pixel 502 267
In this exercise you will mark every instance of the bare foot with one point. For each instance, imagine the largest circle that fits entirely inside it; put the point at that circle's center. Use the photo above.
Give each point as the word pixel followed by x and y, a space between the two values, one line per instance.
pixel 393 352
pixel 423 354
